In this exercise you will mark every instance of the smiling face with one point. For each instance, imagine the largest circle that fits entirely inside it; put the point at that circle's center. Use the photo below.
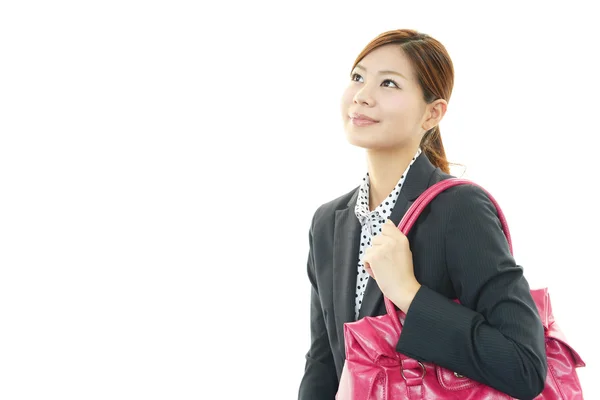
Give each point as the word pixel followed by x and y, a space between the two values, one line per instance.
pixel 383 106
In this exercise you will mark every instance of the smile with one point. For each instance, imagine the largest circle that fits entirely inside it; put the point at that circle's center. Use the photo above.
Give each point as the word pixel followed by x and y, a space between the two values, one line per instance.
pixel 362 121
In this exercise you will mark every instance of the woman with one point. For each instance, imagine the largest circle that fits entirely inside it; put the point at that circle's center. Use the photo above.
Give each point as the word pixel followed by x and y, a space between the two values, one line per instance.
pixel 398 93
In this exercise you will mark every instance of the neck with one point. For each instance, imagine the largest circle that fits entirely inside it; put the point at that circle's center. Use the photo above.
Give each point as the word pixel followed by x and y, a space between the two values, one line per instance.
pixel 386 166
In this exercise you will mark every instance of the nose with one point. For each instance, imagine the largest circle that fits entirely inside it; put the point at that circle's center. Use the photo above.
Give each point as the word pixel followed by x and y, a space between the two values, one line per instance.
pixel 364 97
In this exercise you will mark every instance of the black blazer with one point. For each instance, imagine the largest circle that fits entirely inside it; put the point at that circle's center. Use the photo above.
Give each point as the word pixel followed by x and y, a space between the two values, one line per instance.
pixel 495 336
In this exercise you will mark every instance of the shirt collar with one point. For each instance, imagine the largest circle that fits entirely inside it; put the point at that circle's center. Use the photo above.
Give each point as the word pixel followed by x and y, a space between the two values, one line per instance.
pixel 362 204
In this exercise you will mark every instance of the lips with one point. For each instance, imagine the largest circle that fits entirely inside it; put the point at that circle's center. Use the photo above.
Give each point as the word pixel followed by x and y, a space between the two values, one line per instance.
pixel 362 120
pixel 362 117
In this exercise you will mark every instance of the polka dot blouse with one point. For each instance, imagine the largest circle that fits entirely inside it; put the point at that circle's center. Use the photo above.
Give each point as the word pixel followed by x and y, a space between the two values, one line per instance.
pixel 372 222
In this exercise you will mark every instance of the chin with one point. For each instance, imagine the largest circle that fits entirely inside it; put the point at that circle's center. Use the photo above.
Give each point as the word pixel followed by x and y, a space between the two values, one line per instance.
pixel 363 138
pixel 365 144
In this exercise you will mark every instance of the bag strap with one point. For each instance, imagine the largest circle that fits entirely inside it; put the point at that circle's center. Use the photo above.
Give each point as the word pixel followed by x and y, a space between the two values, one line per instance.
pixel 419 205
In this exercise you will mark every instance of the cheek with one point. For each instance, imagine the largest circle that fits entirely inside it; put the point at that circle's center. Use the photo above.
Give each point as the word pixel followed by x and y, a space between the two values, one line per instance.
pixel 400 109
pixel 347 99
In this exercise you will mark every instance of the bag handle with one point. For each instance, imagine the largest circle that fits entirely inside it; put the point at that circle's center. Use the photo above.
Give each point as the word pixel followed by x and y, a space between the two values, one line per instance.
pixel 415 210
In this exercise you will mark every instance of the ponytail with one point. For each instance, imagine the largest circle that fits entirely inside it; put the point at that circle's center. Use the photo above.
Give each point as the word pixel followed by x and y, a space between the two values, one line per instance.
pixel 432 146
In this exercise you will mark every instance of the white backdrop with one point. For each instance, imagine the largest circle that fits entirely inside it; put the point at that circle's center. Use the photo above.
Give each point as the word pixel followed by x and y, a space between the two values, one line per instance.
pixel 160 163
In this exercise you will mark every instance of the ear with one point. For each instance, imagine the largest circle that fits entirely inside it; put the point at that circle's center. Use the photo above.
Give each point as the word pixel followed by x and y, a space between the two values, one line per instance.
pixel 434 114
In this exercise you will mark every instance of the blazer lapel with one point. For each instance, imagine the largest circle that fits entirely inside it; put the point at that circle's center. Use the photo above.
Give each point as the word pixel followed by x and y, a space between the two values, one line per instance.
pixel 345 261
pixel 417 180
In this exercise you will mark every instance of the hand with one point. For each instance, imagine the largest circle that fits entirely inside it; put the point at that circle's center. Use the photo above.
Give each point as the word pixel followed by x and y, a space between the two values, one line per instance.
pixel 389 262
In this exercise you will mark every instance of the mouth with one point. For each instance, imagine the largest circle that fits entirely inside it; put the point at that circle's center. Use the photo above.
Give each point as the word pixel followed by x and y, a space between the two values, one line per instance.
pixel 362 120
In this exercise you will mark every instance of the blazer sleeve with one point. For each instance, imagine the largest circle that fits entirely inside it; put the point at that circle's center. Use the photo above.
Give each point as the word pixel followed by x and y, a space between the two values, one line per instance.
pixel 320 380
pixel 495 335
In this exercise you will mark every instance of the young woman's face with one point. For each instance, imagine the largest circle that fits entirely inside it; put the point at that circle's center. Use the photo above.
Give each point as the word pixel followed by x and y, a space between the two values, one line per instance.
pixel 383 106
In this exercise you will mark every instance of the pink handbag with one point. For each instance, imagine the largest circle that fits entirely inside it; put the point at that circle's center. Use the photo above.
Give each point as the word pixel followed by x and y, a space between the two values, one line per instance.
pixel 375 370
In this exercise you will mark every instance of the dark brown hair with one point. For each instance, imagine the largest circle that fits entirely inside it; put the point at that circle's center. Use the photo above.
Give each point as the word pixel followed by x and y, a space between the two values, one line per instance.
pixel 435 74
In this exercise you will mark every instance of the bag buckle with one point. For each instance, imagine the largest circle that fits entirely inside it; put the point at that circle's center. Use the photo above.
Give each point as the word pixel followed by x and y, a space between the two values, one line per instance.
pixel 413 375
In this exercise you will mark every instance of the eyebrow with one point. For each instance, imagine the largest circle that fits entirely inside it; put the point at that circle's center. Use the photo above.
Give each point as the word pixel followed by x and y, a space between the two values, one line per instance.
pixel 384 72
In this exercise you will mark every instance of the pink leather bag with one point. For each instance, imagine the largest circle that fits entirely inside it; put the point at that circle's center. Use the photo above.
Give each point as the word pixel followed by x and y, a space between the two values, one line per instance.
pixel 375 370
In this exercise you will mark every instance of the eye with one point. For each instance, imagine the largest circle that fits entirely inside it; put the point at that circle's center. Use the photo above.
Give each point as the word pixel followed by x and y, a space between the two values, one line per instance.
pixel 355 77
pixel 390 81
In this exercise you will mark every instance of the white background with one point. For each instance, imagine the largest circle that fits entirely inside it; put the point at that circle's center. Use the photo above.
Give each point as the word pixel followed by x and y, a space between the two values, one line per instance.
pixel 160 163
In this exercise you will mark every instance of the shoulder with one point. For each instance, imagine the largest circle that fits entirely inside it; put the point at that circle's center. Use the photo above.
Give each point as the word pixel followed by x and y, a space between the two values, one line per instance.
pixel 471 198
pixel 467 194
pixel 461 204
pixel 467 205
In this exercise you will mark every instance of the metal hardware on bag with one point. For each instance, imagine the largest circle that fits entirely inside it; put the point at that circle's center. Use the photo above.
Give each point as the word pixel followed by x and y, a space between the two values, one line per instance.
pixel 456 374
pixel 422 369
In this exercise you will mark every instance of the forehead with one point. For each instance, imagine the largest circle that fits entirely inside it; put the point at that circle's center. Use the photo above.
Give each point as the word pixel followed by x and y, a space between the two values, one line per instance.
pixel 388 57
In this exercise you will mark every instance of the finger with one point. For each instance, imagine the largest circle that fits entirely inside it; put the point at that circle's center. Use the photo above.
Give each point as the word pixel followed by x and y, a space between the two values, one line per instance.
pixel 368 269
pixel 390 226
pixel 376 240
pixel 369 257
pixel 391 230
pixel 381 240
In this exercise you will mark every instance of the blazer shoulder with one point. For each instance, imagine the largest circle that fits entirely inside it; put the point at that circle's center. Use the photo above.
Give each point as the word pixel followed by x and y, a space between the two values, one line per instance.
pixel 469 200
pixel 469 194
